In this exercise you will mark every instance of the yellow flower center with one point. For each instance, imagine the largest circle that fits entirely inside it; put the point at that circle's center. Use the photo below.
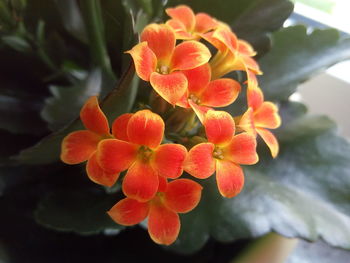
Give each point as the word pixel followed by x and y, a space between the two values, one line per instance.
pixel 163 69
pixel 218 153
pixel 195 99
pixel 145 153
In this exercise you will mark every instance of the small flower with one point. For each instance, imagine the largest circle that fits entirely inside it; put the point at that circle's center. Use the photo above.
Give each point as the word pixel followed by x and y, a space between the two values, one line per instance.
pixel 178 196
pixel 223 153
pixel 202 93
pixel 260 116
pixel 80 146
pixel 159 61
pixel 138 150
pixel 187 25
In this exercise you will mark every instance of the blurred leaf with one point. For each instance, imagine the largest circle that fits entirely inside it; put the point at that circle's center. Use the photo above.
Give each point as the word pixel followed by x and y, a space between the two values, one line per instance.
pixel 296 55
pixel 17 43
pixel 303 193
pixel 119 101
pixel 66 102
pixel 77 211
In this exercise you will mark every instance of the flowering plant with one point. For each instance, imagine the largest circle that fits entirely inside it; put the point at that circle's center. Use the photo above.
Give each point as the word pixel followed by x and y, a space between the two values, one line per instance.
pixel 181 118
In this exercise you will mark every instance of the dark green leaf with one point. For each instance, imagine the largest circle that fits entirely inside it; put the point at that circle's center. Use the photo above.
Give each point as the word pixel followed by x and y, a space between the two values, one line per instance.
pixel 296 55
pixel 17 43
pixel 80 212
pixel 303 193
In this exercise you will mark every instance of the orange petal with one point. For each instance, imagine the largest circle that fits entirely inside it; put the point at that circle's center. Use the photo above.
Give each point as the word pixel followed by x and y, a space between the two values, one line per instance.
pixel 255 97
pixel 144 59
pixel 115 155
pixel 270 140
pixel 251 80
pixel 182 195
pixel 204 23
pixel 78 146
pixel 93 118
pixel 245 48
pixel 200 162
pixel 170 87
pixel 246 122
pixel 140 182
pixel 266 116
pixel 98 175
pixel 168 160
pixel 160 39
pixel 220 92
pixel 183 14
pixel 242 149
pixel 251 64
pixel 227 38
pixel 163 184
pixel 163 225
pixel 146 128
pixel 199 110
pixel 179 29
pixel 229 177
pixel 129 212
pixel 219 127
pixel 120 125
pixel 198 79
pixel 189 55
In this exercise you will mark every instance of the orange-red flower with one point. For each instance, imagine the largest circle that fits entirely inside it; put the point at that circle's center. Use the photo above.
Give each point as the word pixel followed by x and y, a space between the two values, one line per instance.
pixel 187 25
pixel 178 196
pixel 137 148
pixel 223 153
pixel 159 61
pixel 80 146
pixel 202 94
pixel 260 116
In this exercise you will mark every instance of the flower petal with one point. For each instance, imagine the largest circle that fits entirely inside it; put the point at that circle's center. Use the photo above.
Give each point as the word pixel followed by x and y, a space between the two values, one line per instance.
pixel 255 97
pixel 182 195
pixel 144 59
pixel 246 122
pixel 219 127
pixel 245 48
pixel 199 110
pixel 184 14
pixel 140 182
pixel 227 38
pixel 129 212
pixel 229 177
pixel 115 155
pixel 160 39
pixel 78 146
pixel 200 162
pixel 170 87
pixel 179 29
pixel 163 225
pixel 93 118
pixel 251 64
pixel 270 140
pixel 119 127
pixel 189 55
pixel 220 92
pixel 242 149
pixel 198 79
pixel 204 23
pixel 98 175
pixel 266 116
pixel 146 128
pixel 168 160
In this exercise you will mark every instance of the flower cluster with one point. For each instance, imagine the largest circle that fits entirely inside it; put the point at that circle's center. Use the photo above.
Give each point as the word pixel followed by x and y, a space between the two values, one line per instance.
pixel 189 80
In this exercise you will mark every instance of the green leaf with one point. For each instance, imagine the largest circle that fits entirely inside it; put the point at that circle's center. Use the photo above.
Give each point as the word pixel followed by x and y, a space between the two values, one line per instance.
pixel 66 102
pixel 119 101
pixel 296 55
pixel 17 43
pixel 303 193
pixel 77 211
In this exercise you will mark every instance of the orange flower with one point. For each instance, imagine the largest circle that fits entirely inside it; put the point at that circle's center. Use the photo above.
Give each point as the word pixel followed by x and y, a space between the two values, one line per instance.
pixel 202 93
pixel 137 148
pixel 223 153
pixel 260 116
pixel 159 61
pixel 187 25
pixel 178 196
pixel 233 53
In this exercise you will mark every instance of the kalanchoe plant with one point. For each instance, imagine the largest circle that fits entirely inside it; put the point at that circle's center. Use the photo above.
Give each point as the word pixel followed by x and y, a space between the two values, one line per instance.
pixel 179 114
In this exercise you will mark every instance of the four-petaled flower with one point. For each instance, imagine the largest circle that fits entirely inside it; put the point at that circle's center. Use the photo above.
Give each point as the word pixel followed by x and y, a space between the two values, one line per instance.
pixel 178 196
pixel 137 148
pixel 223 153
pixel 80 146
pixel 159 61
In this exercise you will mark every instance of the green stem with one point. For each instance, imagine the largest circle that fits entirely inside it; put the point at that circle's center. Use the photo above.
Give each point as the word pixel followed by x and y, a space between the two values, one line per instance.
pixel 271 248
pixel 91 10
